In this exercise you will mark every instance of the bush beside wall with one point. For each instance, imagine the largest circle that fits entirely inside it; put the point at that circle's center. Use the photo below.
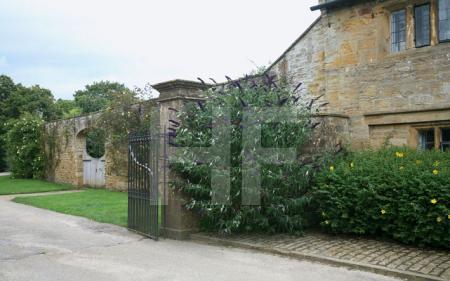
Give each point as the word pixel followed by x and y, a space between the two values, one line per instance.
pixel 285 188
pixel 394 192
pixel 24 144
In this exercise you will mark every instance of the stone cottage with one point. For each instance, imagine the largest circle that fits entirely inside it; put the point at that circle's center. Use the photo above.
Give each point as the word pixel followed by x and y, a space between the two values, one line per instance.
pixel 384 66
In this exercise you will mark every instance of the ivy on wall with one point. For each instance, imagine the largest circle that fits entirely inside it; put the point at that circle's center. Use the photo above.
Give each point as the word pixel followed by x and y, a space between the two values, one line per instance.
pixel 128 112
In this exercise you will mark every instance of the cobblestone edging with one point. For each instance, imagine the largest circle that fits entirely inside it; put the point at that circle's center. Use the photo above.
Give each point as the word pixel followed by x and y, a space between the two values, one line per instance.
pixel 364 254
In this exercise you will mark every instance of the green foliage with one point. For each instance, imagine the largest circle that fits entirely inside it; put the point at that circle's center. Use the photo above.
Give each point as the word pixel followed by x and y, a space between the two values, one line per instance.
pixel 394 192
pixel 285 188
pixel 99 205
pixel 3 162
pixel 24 143
pixel 74 112
pixel 16 100
pixel 95 143
pixel 67 108
pixel 7 87
pixel 127 112
pixel 33 100
pixel 98 96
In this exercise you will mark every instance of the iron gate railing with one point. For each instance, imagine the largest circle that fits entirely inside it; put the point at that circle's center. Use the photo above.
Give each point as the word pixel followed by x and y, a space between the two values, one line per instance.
pixel 144 202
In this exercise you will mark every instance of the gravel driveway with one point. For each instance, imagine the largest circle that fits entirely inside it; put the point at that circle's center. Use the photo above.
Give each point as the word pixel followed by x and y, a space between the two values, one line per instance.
pixel 38 244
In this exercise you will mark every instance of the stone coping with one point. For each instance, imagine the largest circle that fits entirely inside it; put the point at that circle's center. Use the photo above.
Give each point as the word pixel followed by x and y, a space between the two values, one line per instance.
pixel 386 258
pixel 180 83
pixel 378 113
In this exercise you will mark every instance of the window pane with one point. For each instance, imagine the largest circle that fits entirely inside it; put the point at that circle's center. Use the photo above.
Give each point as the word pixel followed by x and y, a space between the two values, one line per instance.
pixel 398 31
pixel 444 13
pixel 422 25
pixel 445 141
pixel 426 139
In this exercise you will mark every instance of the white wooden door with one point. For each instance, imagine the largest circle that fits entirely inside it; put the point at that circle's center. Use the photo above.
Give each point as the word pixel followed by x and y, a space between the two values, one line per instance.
pixel 94 172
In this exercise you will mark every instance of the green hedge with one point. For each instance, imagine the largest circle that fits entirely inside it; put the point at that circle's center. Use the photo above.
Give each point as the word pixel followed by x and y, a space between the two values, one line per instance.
pixel 394 192
pixel 24 144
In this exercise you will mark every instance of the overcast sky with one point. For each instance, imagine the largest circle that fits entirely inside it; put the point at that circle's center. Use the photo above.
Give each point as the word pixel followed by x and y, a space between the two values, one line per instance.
pixel 65 44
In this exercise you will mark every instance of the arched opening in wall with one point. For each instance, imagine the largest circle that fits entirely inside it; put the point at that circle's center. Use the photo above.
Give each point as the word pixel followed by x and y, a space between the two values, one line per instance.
pixel 91 157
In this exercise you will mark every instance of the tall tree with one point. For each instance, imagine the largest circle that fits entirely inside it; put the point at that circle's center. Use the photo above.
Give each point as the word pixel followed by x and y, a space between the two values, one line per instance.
pixel 34 100
pixel 97 96
pixel 7 87
pixel 17 100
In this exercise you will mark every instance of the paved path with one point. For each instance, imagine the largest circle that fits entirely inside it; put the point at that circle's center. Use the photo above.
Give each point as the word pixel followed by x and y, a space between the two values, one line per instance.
pixel 37 244
pixel 376 256
pixel 4 174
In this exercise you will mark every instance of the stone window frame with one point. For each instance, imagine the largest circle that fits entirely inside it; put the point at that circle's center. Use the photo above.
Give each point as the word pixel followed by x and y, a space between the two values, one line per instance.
pixel 437 134
pixel 438 20
pixel 428 4
pixel 442 142
pixel 409 6
pixel 423 144
pixel 398 43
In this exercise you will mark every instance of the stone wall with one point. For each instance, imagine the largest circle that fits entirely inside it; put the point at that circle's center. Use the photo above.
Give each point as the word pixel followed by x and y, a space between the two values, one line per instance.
pixel 65 157
pixel 66 139
pixel 345 55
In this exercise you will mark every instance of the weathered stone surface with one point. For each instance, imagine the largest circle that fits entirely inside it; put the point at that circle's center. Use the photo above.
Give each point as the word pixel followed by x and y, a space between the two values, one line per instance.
pixel 346 56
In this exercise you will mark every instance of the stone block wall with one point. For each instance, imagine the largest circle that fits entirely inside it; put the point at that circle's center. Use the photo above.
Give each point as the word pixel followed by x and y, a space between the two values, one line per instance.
pixel 65 147
pixel 345 55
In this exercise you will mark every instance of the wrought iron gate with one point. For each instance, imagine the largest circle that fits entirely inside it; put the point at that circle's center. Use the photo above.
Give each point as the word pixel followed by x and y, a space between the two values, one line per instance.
pixel 144 212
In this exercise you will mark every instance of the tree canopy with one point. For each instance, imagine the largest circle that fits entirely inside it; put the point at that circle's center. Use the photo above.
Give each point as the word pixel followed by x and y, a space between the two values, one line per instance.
pixel 17 100
pixel 98 95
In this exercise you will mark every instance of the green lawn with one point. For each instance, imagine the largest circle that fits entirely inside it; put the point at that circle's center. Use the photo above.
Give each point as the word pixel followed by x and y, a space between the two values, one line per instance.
pixel 96 204
pixel 18 186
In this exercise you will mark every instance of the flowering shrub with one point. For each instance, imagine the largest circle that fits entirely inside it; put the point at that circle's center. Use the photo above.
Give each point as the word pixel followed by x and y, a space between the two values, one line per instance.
pixel 24 144
pixel 285 188
pixel 394 192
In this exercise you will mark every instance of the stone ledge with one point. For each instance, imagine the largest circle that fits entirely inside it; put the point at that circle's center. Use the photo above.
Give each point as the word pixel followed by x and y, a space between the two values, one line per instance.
pixel 176 234
pixel 408 275
pixel 432 109
pixel 179 83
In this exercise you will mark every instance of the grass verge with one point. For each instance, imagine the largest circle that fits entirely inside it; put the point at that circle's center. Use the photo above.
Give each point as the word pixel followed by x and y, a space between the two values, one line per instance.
pixel 19 186
pixel 95 204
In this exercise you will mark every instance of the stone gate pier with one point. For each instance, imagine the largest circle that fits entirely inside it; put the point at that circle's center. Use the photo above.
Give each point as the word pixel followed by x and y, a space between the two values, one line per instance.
pixel 67 155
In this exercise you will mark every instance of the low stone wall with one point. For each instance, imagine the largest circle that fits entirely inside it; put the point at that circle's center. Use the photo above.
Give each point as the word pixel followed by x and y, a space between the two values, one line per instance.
pixel 66 139
pixel 65 147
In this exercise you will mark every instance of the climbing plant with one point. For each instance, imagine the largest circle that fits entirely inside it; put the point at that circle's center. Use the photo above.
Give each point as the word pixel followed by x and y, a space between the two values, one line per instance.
pixel 128 111
pixel 25 147
pixel 95 143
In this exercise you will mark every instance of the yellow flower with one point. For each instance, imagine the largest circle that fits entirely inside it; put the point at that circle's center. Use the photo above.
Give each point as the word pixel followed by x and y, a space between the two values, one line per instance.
pixel 435 172
pixel 383 211
pixel 352 165
pixel 448 217
pixel 433 201
pixel 436 163
pixel 332 168
pixel 439 219
pixel 401 168
pixel 418 162
pixel 399 154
